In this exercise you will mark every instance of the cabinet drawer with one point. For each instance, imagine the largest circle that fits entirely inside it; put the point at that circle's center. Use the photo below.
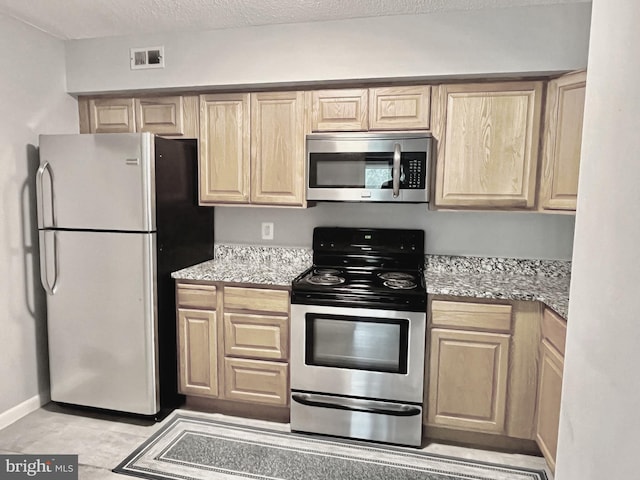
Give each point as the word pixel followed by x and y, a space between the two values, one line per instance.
pixel 259 299
pixel 554 329
pixel 256 381
pixel 197 296
pixel 256 336
pixel 480 316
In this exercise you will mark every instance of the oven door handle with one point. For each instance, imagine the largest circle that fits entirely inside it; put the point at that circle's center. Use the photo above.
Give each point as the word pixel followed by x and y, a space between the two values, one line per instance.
pixel 356 405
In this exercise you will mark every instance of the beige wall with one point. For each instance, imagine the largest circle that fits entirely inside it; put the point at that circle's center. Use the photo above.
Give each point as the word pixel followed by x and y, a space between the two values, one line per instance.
pixel 33 101
pixel 475 42
pixel 492 234
pixel 600 417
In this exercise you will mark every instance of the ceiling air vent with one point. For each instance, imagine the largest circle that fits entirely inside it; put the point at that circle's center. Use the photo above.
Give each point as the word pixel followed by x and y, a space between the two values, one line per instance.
pixel 150 57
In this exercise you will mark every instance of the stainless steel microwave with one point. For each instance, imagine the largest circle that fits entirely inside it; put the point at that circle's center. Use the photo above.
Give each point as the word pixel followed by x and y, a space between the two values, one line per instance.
pixel 369 167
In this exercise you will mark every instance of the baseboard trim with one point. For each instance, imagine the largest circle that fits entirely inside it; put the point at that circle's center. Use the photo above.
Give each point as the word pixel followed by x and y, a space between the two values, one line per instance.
pixel 22 409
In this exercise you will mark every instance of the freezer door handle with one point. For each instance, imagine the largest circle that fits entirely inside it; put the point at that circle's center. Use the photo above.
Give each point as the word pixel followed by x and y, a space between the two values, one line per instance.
pixel 44 264
pixel 356 405
pixel 39 194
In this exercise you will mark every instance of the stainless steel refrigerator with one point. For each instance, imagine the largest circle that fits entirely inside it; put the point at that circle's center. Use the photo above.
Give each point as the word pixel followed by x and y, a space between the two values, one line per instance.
pixel 117 213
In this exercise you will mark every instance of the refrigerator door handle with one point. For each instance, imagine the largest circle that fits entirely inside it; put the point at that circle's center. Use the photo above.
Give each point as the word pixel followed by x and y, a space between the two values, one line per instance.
pixel 39 194
pixel 44 270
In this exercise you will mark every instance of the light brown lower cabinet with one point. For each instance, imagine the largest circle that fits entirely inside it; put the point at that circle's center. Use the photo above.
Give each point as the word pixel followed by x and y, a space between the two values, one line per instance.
pixel 482 374
pixel 234 343
pixel 469 366
pixel 550 385
pixel 198 352
pixel 468 381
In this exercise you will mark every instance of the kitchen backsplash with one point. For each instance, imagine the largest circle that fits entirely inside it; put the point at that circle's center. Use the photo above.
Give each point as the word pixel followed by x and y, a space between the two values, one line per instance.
pixel 435 263
pixel 261 254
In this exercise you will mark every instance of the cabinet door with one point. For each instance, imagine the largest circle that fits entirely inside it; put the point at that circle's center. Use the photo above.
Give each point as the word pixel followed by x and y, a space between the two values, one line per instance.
pixel 549 395
pixel 468 380
pixel 160 115
pixel 340 110
pixel 111 115
pixel 224 148
pixel 278 127
pixel 562 142
pixel 197 341
pixel 256 381
pixel 488 137
pixel 399 108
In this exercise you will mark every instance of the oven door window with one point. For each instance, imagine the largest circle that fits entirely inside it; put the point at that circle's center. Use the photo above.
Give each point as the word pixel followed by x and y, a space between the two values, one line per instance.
pixel 362 343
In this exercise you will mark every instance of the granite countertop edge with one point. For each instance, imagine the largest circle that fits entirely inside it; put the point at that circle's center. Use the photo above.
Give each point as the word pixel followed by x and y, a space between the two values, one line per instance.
pixel 553 291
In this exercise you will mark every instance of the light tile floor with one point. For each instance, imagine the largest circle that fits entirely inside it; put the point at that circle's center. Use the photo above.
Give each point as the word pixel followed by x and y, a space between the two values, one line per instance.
pixel 103 441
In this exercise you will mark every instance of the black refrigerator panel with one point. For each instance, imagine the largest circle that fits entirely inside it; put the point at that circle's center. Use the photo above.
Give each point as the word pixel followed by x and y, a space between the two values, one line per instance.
pixel 185 238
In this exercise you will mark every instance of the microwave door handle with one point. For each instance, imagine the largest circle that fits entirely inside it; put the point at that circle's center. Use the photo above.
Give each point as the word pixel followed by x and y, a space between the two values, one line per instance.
pixel 397 154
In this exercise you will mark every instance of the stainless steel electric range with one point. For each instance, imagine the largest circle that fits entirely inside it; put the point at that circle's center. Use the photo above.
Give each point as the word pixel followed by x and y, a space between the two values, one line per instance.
pixel 358 326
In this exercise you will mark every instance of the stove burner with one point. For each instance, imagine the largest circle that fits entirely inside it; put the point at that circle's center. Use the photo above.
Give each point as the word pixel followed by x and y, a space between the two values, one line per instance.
pixel 396 276
pixel 325 279
pixel 326 271
pixel 400 284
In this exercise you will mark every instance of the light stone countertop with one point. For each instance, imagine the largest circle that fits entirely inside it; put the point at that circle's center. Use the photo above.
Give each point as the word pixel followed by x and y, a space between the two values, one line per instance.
pixel 228 270
pixel 259 265
pixel 475 277
pixel 552 291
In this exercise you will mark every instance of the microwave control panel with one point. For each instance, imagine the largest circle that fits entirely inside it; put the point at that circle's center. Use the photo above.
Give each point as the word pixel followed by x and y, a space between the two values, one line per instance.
pixel 416 175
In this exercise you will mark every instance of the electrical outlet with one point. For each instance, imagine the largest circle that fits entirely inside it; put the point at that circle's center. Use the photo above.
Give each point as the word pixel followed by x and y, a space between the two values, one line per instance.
pixel 267 230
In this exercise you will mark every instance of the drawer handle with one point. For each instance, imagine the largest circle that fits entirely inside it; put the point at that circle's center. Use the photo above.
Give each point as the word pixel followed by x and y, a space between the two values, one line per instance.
pixel 356 405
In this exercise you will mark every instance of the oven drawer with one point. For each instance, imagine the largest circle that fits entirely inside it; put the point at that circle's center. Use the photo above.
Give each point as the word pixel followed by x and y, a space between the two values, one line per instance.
pixel 256 336
pixel 256 381
pixel 357 418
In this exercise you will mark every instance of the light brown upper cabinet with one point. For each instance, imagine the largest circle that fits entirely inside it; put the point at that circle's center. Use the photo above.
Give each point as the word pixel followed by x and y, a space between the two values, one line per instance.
pixel 399 108
pixel 252 148
pixel 487 139
pixel 167 116
pixel 224 148
pixel 340 110
pixel 175 116
pixel 279 123
pixel 562 142
pixel 111 115
pixel 362 109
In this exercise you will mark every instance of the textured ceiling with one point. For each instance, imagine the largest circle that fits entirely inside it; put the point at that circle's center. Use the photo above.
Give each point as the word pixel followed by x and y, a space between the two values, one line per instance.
pixel 75 19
